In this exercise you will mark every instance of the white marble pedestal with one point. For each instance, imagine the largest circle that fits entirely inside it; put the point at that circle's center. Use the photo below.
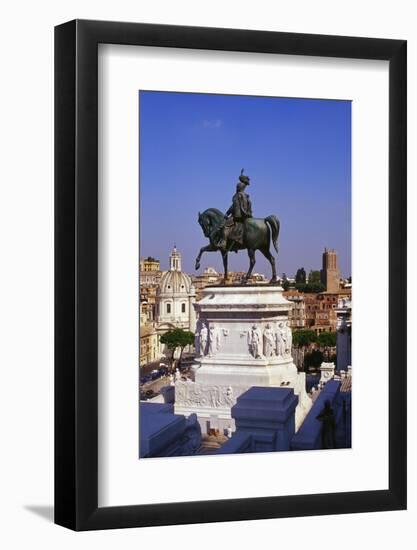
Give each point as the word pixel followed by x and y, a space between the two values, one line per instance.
pixel 243 339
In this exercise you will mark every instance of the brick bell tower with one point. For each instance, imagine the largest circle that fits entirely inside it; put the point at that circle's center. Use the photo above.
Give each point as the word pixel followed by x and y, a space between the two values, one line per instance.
pixel 330 274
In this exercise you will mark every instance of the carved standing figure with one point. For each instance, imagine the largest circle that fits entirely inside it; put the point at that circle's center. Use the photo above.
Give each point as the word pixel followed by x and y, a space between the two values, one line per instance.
pixel 255 342
pixel 214 339
pixel 197 338
pixel 288 339
pixel 203 339
pixel 284 337
pixel 229 396
pixel 214 394
pixel 280 343
pixel 268 341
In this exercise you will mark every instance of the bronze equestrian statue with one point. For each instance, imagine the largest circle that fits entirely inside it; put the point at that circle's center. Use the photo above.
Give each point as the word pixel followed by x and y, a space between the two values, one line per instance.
pixel 239 230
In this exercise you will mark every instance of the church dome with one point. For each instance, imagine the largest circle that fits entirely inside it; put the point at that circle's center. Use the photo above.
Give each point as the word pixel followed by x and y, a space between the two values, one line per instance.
pixel 174 282
pixel 175 297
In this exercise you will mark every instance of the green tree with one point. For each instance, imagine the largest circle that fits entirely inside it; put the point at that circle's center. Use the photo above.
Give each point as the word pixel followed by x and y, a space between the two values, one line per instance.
pixel 327 340
pixel 285 284
pixel 301 287
pixel 304 338
pixel 177 338
pixel 314 277
pixel 315 288
pixel 300 276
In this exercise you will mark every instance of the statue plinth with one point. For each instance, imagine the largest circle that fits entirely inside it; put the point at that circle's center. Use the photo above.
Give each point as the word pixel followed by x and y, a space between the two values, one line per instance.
pixel 243 339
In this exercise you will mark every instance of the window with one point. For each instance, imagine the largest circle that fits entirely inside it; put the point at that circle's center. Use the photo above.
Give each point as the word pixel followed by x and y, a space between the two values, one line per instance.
pixel 168 308
pixel 182 308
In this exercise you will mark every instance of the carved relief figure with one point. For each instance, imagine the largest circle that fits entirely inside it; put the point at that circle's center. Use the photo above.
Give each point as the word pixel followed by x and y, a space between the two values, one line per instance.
pixel 255 342
pixel 229 399
pixel 197 338
pixel 268 341
pixel 288 346
pixel 284 337
pixel 203 335
pixel 191 394
pixel 214 339
pixel 214 396
pixel 279 338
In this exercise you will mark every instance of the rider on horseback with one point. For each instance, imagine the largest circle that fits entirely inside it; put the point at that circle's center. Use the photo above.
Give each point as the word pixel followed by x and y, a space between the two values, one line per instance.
pixel 240 210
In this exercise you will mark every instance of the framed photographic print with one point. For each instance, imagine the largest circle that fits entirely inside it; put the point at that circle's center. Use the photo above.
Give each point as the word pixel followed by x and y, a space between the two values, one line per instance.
pixel 230 275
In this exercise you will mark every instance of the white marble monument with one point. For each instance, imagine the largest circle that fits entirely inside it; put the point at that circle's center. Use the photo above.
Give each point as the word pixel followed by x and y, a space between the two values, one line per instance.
pixel 243 339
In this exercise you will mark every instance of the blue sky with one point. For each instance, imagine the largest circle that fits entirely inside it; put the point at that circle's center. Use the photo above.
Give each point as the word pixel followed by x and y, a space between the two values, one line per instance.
pixel 297 153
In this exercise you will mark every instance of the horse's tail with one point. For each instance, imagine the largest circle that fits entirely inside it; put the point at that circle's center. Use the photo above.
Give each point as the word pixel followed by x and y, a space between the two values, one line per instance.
pixel 273 224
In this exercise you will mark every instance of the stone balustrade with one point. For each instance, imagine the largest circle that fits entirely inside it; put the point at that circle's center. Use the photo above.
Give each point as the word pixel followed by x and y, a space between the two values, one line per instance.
pixel 163 433
pixel 264 419
pixel 309 436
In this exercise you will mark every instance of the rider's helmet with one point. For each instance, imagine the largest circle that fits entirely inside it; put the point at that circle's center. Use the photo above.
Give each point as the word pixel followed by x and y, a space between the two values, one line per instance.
pixel 243 178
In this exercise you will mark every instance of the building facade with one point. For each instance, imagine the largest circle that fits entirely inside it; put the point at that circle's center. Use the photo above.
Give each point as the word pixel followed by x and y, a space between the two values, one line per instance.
pixel 149 264
pixel 320 311
pixel 149 350
pixel 209 277
pixel 315 311
pixel 149 272
pixel 297 315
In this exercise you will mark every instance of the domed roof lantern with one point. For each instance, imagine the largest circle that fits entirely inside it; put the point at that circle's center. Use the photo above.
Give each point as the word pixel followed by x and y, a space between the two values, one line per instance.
pixel 175 260
pixel 174 283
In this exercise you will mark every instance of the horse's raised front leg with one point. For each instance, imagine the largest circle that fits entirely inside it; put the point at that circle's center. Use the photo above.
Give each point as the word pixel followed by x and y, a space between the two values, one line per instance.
pixel 251 254
pixel 224 256
pixel 208 248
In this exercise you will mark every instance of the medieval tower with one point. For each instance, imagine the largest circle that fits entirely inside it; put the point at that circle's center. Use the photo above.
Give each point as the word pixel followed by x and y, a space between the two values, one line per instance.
pixel 330 272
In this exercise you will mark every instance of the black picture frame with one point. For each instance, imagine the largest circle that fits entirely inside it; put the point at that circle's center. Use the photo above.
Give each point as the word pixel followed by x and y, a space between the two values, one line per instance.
pixel 76 272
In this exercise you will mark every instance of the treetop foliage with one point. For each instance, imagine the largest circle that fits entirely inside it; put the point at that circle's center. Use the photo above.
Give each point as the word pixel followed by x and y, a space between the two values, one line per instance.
pixel 303 338
pixel 314 276
pixel 177 338
pixel 327 339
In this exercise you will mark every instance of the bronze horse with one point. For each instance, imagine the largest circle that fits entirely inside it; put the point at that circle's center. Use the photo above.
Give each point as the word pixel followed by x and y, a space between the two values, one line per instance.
pixel 257 235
